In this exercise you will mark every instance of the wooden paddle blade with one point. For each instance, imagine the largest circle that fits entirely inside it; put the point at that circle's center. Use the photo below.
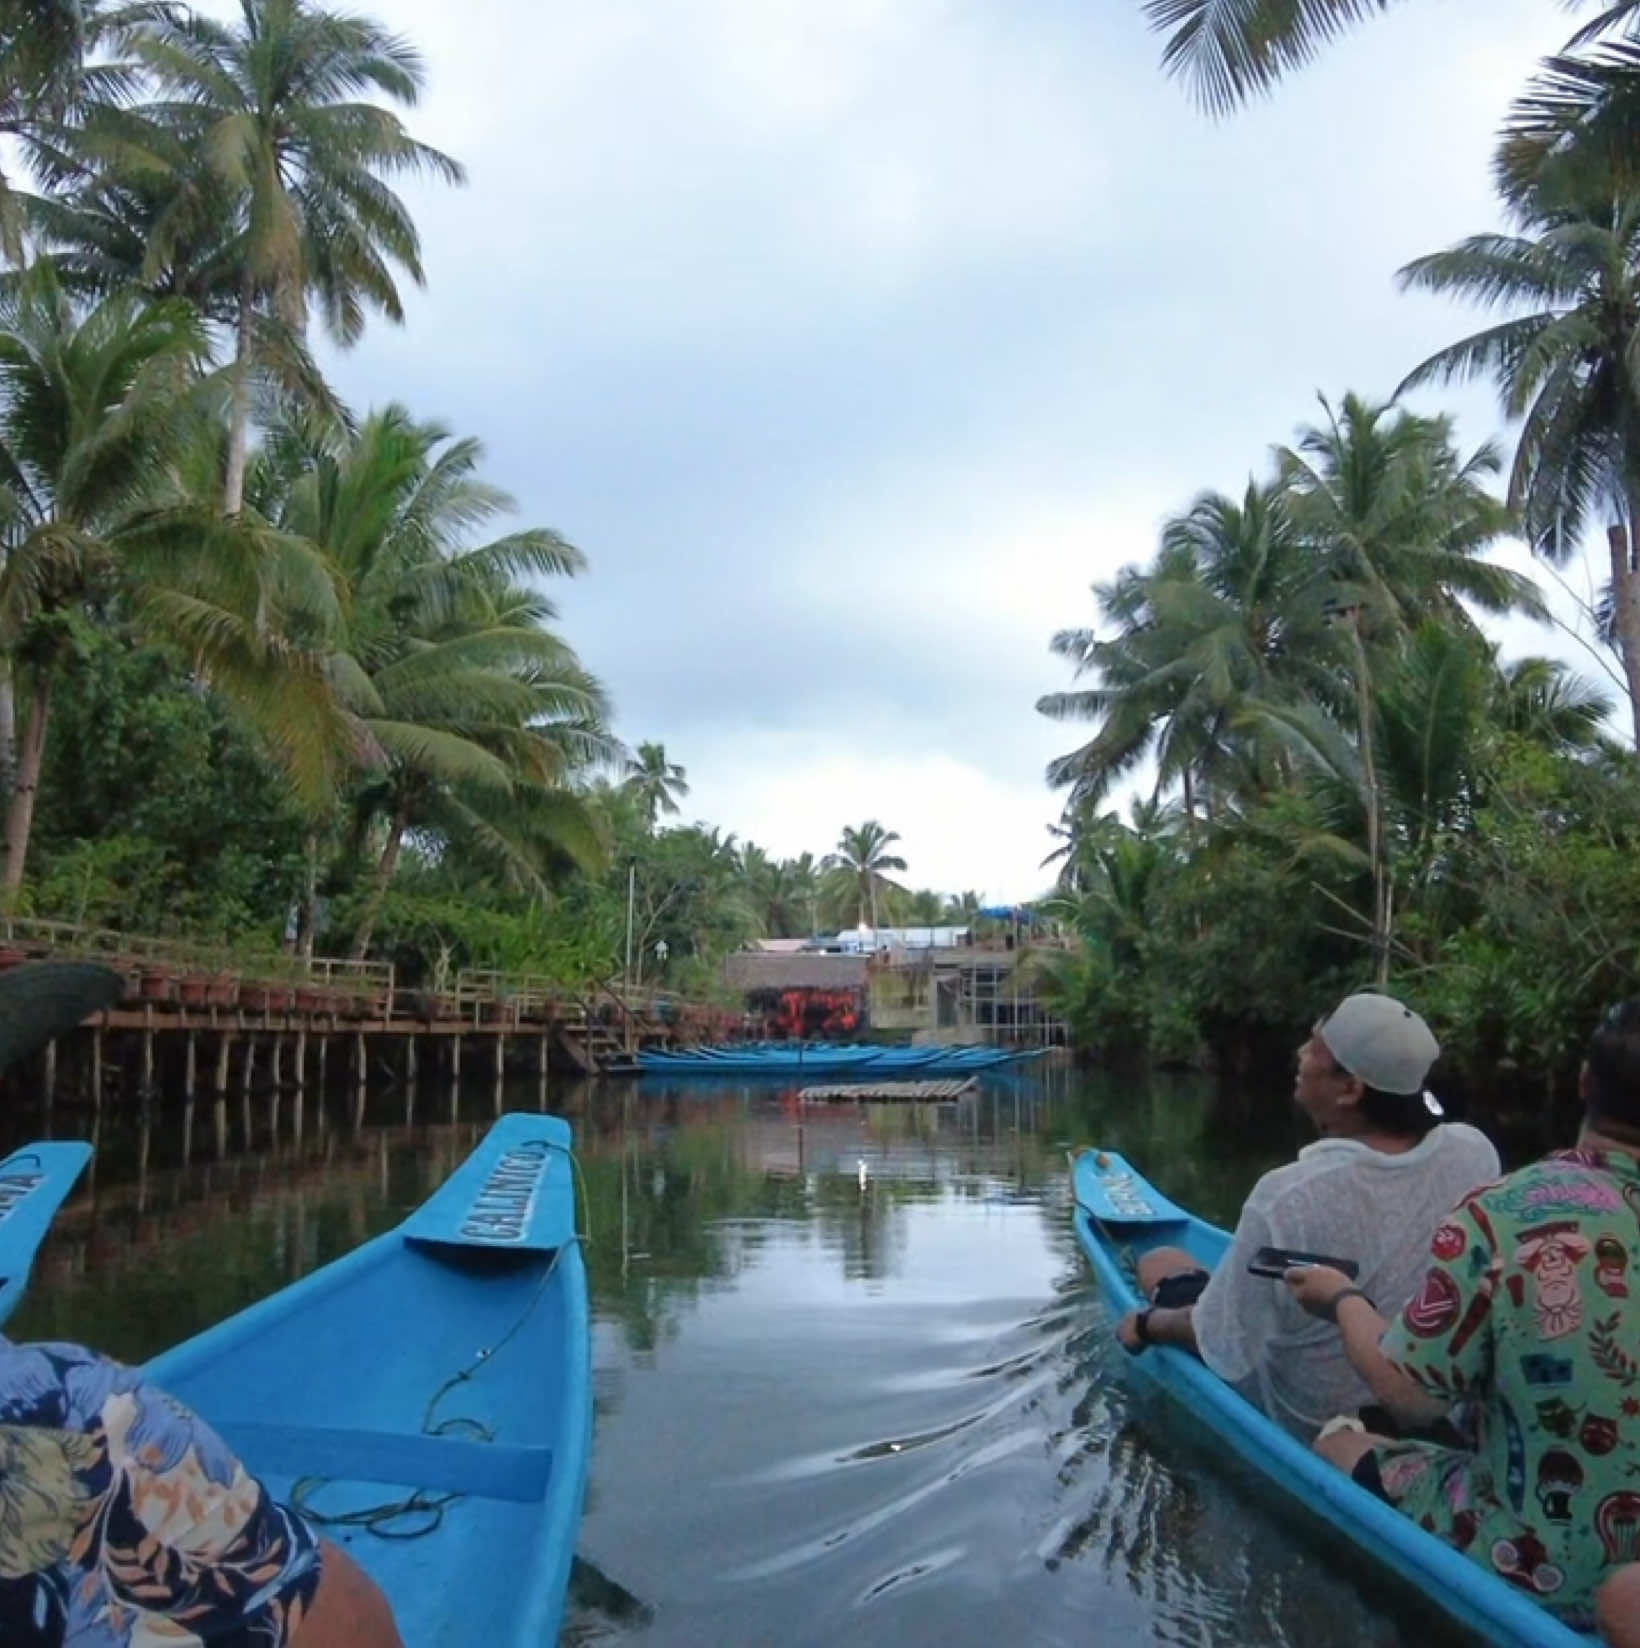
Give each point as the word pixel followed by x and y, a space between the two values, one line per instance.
pixel 42 1000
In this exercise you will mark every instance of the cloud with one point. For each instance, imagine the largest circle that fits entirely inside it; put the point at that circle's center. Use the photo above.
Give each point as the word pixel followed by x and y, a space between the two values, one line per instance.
pixel 853 342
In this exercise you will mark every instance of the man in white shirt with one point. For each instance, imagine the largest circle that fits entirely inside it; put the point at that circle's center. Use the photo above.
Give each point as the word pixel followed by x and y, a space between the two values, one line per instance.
pixel 1373 1188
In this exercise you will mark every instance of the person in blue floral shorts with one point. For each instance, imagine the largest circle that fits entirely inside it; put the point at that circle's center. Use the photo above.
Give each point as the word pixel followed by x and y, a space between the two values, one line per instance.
pixel 126 1522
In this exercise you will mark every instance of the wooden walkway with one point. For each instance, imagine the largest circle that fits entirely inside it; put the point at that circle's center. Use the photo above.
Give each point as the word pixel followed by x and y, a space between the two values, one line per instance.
pixel 179 990
pixel 925 1092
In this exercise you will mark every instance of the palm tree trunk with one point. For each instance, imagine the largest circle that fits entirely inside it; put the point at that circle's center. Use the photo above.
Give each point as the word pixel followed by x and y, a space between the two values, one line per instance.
pixel 310 894
pixel 239 412
pixel 20 813
pixel 384 874
pixel 8 729
pixel 1626 606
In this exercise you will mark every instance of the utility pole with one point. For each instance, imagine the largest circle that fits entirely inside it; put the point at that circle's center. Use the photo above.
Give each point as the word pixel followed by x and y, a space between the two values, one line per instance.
pixel 631 895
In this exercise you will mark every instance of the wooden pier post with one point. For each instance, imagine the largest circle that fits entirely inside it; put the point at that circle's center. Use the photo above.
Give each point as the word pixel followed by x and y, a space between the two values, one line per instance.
pixel 500 1069
pixel 50 1080
pixel 190 1083
pixel 278 1060
pixel 219 1109
pixel 410 1061
pixel 246 1077
pixel 96 1087
pixel 455 1075
pixel 541 1077
pixel 360 1072
pixel 299 1102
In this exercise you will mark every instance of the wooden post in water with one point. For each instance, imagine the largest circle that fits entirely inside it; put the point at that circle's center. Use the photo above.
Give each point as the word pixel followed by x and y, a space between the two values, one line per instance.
pixel 219 1109
pixel 360 1073
pixel 50 1080
pixel 410 1079
pixel 278 1062
pixel 246 1077
pixel 299 1100
pixel 190 1082
pixel 500 1069
pixel 541 1077
pixel 455 1076
pixel 96 1088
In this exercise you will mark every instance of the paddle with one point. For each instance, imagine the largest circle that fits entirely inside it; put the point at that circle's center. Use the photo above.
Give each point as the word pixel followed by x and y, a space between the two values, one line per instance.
pixel 40 1001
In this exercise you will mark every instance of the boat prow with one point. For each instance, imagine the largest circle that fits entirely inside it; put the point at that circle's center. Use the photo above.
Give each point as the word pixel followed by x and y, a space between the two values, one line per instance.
pixel 435 1385
pixel 1118 1216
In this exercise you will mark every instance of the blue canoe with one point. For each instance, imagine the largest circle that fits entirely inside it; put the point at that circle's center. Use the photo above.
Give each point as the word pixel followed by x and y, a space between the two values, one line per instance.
pixel 1118 1216
pixel 448 1359
pixel 795 1059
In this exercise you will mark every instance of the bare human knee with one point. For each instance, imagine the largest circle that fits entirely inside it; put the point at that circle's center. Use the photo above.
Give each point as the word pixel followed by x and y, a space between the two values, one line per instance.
pixel 1346 1447
pixel 1617 1608
pixel 348 1610
pixel 1160 1263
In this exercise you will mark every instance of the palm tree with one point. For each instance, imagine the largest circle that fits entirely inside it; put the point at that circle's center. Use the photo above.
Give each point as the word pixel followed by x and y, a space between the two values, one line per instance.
pixel 655 782
pixel 1398 518
pixel 862 862
pixel 961 908
pixel 471 714
pixel 1232 612
pixel 59 60
pixel 803 878
pixel 1232 50
pixel 99 415
pixel 1569 287
pixel 279 109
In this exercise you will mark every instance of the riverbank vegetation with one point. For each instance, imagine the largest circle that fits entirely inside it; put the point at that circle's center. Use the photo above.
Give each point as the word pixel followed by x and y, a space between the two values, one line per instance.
pixel 1351 783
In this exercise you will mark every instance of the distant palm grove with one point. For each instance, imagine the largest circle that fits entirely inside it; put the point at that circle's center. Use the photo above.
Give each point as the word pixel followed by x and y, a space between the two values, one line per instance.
pixel 276 671
pixel 1342 781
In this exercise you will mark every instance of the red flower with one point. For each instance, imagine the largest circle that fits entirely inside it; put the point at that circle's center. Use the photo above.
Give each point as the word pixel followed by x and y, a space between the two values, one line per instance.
pixel 1631 1406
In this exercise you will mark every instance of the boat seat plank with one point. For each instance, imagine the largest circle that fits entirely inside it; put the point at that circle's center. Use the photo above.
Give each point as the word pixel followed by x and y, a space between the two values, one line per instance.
pixel 488 1470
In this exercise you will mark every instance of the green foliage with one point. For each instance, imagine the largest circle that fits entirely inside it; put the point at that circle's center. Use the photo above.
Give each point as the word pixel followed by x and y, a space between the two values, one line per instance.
pixel 159 811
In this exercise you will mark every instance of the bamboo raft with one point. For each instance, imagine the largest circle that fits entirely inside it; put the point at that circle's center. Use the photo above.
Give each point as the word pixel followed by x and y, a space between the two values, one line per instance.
pixel 917 1091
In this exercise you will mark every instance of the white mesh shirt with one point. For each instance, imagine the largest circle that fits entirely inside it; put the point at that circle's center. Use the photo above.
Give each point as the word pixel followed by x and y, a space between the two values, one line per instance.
pixel 1344 1198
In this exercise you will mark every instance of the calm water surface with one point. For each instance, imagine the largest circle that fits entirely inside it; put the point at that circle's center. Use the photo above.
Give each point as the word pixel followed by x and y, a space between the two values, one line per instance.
pixel 853 1382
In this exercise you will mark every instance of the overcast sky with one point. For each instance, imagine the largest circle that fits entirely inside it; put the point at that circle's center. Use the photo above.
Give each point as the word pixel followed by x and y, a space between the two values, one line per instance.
pixel 852 342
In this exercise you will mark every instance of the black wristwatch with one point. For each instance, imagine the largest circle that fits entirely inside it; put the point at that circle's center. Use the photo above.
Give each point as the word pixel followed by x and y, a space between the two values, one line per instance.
pixel 1141 1326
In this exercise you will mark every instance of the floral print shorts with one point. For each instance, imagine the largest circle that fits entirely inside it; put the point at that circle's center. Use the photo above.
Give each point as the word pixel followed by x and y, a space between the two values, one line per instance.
pixel 125 1522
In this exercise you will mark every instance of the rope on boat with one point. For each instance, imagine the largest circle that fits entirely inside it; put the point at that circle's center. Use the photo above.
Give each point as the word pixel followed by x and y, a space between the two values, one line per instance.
pixel 381 1519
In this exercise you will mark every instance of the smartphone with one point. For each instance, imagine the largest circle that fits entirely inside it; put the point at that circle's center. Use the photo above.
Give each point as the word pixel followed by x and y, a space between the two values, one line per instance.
pixel 1277 1261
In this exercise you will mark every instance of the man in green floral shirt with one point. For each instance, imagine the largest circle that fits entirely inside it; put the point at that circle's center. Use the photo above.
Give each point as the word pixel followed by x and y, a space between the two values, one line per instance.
pixel 1526 1332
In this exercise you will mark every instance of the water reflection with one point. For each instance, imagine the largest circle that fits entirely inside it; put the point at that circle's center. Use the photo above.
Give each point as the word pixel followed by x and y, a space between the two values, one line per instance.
pixel 852 1381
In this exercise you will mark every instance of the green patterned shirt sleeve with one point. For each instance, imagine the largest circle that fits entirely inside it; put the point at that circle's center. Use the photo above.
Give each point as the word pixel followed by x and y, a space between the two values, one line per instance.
pixel 1443 1338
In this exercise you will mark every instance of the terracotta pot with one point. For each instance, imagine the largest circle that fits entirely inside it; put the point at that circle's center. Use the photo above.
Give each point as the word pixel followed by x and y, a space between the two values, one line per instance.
pixel 222 991
pixel 254 997
pixel 310 1000
pixel 496 1012
pixel 193 991
pixel 279 998
pixel 12 956
pixel 157 985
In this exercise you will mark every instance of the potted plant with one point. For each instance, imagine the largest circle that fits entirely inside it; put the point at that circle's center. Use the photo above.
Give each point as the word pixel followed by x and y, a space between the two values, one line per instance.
pixel 193 989
pixel 156 982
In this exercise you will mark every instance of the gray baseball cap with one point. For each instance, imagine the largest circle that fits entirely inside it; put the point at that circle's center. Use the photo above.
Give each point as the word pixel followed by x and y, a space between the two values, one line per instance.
pixel 1380 1041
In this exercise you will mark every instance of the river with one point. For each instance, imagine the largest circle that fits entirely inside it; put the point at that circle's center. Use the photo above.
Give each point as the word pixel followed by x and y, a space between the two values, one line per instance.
pixel 852 1381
